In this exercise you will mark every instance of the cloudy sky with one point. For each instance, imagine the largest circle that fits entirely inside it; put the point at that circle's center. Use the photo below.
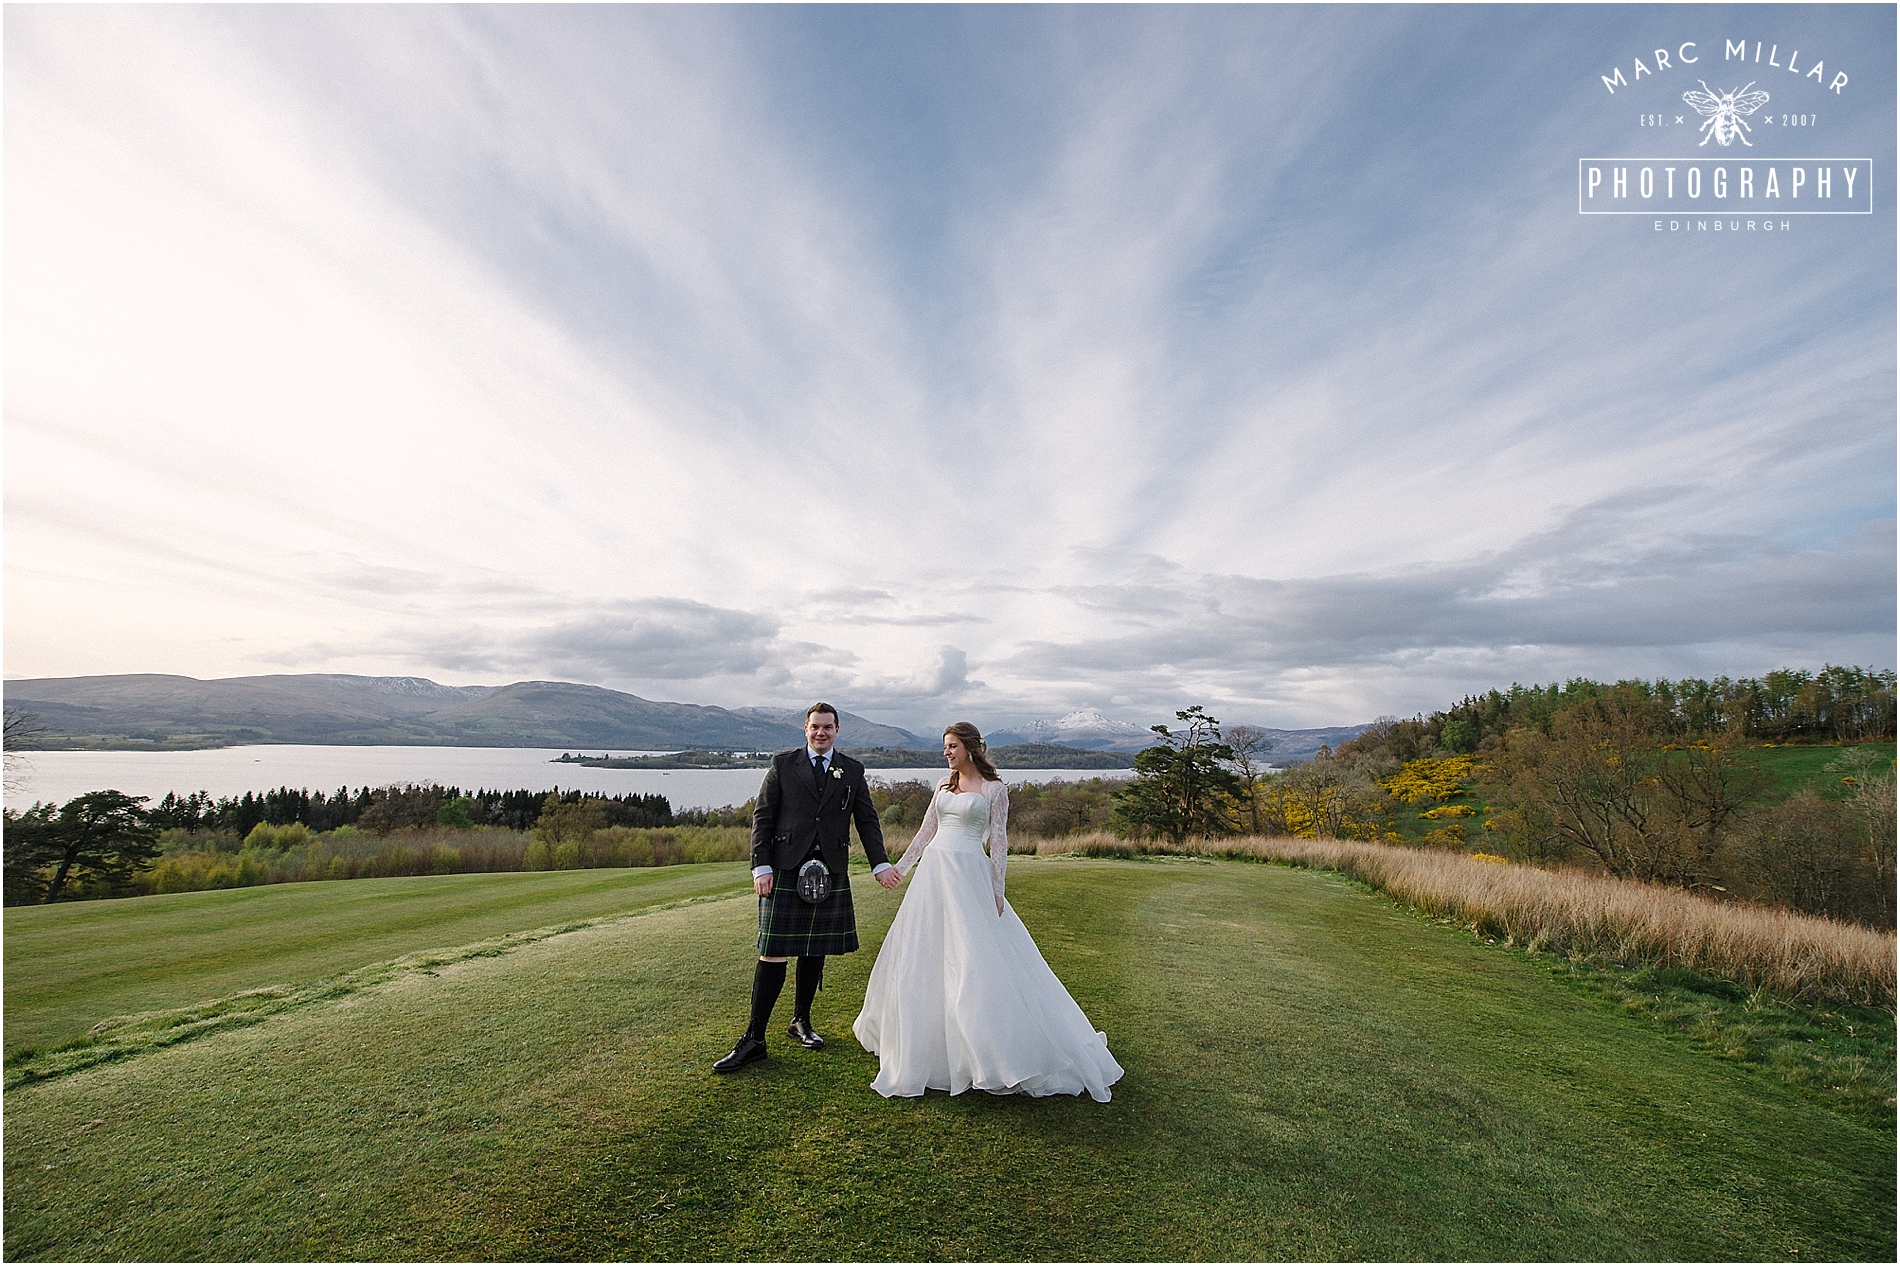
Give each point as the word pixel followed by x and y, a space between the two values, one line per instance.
pixel 943 362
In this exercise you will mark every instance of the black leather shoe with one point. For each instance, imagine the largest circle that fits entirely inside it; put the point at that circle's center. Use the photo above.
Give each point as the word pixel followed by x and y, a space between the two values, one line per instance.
pixel 805 1035
pixel 749 1049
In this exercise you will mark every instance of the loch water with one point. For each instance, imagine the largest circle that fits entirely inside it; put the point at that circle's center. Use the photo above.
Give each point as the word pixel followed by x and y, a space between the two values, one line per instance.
pixel 232 771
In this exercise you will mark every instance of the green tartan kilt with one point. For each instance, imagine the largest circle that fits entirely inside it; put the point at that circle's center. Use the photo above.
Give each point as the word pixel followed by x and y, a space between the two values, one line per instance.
pixel 791 927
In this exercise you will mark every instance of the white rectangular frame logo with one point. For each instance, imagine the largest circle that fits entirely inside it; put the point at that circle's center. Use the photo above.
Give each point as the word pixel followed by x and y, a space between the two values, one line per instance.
pixel 1775 187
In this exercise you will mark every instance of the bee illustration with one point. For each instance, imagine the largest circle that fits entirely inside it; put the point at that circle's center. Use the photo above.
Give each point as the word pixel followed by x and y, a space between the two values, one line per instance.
pixel 1725 122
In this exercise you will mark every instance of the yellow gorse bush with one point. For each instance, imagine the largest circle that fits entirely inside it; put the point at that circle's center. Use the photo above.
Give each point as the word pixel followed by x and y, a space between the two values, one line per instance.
pixel 1296 813
pixel 1431 778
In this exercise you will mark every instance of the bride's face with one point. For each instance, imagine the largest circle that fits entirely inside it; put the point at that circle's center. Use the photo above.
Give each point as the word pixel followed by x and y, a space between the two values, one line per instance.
pixel 953 753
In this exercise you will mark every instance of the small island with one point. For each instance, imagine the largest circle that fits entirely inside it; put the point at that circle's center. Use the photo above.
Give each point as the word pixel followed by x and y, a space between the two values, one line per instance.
pixel 698 758
pixel 1015 756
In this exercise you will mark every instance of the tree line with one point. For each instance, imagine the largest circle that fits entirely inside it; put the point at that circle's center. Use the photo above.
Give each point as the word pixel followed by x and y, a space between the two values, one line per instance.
pixel 106 843
pixel 1837 704
pixel 384 809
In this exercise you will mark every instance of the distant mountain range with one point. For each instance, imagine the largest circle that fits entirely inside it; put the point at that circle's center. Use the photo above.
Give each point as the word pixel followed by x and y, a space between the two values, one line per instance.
pixel 146 711
pixel 149 710
pixel 1296 747
pixel 1089 729
pixel 853 731
pixel 1027 756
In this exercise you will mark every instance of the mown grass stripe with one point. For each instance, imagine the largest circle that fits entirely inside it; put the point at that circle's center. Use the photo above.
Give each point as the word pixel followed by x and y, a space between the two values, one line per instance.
pixel 69 966
pixel 123 1037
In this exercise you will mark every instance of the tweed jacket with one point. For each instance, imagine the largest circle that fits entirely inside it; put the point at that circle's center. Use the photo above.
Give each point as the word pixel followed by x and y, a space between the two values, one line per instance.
pixel 793 811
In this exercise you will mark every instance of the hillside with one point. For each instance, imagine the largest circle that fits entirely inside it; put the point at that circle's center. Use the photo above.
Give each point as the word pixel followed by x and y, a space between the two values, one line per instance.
pixel 148 710
pixel 853 731
pixel 1313 1074
pixel 155 711
pixel 165 710
pixel 1293 747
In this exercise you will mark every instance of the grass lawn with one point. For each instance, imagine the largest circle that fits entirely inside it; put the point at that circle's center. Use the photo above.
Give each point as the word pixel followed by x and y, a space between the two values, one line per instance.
pixel 1790 768
pixel 1313 1073
pixel 69 966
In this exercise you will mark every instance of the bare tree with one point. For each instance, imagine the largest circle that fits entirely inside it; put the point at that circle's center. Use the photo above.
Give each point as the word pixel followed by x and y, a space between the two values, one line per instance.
pixel 1705 787
pixel 1606 785
pixel 21 727
pixel 1869 777
pixel 1592 786
pixel 1326 798
pixel 1251 745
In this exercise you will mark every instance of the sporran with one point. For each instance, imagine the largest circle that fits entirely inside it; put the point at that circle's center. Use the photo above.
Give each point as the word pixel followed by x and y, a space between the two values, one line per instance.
pixel 814 881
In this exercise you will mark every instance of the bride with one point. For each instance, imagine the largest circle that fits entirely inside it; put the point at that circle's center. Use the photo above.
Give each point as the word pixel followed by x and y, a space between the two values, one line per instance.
pixel 960 996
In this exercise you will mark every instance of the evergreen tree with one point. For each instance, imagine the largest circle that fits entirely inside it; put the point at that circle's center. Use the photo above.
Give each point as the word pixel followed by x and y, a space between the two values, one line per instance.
pixel 102 837
pixel 1183 785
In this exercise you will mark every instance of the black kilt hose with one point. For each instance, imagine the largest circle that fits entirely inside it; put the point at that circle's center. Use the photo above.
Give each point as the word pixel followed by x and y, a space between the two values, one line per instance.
pixel 792 927
pixel 797 817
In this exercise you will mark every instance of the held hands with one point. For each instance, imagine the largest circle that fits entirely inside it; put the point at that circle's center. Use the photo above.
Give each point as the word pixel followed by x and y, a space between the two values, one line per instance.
pixel 890 878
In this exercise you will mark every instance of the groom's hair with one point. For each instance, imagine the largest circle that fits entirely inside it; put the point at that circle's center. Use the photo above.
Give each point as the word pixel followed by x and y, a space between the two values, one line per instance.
pixel 823 707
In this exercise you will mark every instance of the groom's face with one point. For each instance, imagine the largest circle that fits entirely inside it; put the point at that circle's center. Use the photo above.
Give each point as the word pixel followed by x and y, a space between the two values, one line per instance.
pixel 821 730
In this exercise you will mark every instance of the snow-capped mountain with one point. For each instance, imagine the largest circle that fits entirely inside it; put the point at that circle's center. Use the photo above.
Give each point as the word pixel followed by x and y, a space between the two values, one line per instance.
pixel 1084 728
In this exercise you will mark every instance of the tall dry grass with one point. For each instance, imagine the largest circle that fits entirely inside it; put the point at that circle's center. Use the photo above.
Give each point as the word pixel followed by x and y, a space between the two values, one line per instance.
pixel 1579 914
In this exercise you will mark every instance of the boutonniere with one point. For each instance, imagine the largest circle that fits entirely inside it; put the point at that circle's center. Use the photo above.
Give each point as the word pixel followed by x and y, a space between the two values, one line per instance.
pixel 837 773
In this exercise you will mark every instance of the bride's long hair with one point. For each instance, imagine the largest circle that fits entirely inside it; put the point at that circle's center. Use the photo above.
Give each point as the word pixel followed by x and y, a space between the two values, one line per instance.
pixel 973 744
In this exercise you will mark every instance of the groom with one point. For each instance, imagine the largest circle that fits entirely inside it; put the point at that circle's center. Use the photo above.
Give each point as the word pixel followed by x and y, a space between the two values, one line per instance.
pixel 806 806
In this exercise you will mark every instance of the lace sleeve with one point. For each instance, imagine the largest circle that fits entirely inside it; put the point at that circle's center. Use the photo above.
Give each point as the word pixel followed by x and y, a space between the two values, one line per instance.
pixel 925 833
pixel 999 836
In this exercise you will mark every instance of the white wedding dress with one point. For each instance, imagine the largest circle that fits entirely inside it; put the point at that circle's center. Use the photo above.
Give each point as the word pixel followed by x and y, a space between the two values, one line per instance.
pixel 960 996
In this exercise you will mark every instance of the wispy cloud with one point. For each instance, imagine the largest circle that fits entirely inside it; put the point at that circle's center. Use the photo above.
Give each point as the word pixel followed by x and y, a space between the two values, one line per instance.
pixel 649 640
pixel 1605 591
pixel 1009 360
